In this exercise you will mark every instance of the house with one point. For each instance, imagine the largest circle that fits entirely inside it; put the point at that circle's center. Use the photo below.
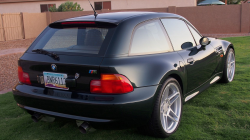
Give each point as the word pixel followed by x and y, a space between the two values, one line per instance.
pixel 37 6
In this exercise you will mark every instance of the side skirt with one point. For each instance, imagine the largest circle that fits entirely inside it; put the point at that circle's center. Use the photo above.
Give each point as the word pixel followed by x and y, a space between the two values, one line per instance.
pixel 203 87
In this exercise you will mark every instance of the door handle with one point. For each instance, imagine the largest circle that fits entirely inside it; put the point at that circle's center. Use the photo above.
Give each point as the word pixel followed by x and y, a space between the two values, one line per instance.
pixel 190 61
pixel 219 50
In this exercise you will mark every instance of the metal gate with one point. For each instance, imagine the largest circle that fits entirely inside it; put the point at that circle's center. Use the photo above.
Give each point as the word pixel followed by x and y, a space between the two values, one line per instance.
pixel 12 27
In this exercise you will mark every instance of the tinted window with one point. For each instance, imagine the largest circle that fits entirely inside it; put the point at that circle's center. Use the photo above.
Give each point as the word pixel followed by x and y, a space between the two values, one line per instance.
pixel 87 40
pixel 196 35
pixel 178 32
pixel 149 38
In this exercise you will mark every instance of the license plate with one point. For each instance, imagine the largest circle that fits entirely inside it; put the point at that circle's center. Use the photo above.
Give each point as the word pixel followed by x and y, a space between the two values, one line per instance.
pixel 55 80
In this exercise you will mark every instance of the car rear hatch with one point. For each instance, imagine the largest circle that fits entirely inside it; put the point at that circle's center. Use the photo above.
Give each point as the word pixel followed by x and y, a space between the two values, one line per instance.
pixel 67 55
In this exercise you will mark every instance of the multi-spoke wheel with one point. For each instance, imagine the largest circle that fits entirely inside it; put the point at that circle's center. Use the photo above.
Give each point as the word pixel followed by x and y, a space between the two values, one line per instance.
pixel 229 68
pixel 167 112
pixel 170 110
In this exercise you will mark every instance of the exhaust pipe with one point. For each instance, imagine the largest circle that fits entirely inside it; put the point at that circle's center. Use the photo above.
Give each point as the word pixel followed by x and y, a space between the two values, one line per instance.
pixel 84 127
pixel 36 117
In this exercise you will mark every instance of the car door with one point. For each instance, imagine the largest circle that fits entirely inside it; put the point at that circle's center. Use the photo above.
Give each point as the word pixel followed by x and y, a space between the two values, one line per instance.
pixel 200 64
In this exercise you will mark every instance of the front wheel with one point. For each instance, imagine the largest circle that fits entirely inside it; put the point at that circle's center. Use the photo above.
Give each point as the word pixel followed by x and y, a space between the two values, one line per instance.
pixel 229 67
pixel 167 111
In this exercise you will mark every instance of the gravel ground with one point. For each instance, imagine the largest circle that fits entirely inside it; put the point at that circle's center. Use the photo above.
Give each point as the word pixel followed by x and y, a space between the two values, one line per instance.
pixel 8 71
pixel 8 61
pixel 23 43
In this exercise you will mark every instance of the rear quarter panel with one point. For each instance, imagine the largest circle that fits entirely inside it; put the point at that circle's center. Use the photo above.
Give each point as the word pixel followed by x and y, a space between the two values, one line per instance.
pixel 145 70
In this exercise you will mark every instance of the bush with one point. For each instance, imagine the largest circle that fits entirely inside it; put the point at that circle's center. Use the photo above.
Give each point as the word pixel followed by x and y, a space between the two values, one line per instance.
pixel 67 6
pixel 53 9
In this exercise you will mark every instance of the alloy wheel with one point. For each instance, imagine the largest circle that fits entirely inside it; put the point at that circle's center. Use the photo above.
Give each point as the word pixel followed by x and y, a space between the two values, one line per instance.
pixel 230 66
pixel 170 107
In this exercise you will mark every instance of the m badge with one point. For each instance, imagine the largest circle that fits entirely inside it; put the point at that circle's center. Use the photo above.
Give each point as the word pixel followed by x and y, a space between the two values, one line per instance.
pixel 93 71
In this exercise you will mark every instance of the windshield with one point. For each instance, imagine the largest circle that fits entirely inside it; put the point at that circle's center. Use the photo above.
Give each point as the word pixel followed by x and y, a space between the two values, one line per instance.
pixel 86 40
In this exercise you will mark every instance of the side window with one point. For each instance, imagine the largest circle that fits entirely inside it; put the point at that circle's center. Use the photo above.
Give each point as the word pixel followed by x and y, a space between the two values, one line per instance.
pixel 196 35
pixel 150 38
pixel 178 32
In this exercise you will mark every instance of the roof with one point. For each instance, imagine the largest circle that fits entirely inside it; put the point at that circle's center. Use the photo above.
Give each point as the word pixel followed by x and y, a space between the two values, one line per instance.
pixel 19 1
pixel 211 2
pixel 118 17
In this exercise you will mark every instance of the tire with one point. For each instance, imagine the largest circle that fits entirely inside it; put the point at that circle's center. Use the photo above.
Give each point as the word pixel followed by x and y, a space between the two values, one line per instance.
pixel 164 110
pixel 229 69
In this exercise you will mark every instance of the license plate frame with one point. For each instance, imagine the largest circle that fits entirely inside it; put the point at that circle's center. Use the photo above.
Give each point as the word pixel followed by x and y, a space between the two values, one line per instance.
pixel 55 80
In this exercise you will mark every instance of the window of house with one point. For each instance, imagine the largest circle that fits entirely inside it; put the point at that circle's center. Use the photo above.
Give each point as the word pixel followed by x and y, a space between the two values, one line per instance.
pixel 150 38
pixel 178 32
pixel 102 5
pixel 45 7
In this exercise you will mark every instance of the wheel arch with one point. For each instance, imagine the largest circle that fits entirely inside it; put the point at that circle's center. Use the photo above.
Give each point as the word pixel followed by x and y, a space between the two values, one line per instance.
pixel 227 45
pixel 178 76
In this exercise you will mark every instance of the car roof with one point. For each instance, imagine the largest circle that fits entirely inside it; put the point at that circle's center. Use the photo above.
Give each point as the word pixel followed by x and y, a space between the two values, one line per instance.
pixel 118 17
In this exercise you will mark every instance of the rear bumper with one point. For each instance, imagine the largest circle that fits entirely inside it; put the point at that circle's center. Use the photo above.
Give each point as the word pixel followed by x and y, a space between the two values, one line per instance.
pixel 127 110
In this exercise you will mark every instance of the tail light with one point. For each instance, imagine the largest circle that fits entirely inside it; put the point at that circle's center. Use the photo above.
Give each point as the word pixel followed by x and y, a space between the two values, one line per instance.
pixel 23 77
pixel 78 22
pixel 111 84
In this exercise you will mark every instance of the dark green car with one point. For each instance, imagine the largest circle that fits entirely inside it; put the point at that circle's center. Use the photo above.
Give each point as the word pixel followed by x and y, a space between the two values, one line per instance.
pixel 120 70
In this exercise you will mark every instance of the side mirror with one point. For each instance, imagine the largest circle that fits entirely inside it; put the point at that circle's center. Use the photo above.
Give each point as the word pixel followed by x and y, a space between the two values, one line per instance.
pixel 187 45
pixel 204 41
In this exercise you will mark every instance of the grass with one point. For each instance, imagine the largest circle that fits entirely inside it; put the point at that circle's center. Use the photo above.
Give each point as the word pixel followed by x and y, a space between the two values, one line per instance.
pixel 220 112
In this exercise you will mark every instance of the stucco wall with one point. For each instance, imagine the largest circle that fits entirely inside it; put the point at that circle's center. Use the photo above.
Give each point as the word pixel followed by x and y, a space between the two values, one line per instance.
pixel 139 4
pixel 215 19
pixel 34 24
pixel 34 7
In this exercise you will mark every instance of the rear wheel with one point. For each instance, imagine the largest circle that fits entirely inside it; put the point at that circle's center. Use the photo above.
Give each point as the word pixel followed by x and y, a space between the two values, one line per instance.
pixel 229 68
pixel 167 111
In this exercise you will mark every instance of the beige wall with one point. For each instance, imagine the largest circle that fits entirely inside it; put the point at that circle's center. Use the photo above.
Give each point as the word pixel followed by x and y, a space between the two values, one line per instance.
pixel 139 4
pixel 215 19
pixel 34 7
pixel 34 24
pixel 28 7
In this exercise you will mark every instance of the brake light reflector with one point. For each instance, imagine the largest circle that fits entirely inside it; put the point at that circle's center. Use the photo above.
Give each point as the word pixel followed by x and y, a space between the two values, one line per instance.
pixel 111 84
pixel 78 22
pixel 23 77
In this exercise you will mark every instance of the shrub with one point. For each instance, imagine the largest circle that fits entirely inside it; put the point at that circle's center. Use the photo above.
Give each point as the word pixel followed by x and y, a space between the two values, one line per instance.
pixel 67 6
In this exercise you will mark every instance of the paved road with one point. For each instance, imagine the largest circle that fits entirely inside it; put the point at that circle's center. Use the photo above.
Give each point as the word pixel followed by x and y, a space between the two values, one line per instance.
pixel 11 51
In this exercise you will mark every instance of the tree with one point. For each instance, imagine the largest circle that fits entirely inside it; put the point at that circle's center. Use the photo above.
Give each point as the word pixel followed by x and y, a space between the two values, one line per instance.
pixel 67 6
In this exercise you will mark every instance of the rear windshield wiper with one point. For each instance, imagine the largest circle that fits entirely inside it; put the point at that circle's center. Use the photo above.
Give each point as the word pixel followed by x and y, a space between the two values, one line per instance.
pixel 51 54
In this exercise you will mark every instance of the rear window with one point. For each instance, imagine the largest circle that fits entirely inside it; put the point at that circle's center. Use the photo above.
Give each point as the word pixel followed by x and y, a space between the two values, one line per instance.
pixel 85 40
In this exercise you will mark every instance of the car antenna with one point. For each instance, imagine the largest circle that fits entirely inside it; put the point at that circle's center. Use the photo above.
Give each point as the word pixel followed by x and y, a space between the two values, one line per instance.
pixel 95 14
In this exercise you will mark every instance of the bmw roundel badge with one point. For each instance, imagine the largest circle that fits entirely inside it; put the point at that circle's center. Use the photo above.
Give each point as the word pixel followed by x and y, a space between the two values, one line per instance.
pixel 53 67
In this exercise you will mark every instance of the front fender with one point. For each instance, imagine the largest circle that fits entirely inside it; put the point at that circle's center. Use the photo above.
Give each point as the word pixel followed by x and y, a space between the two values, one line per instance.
pixel 225 45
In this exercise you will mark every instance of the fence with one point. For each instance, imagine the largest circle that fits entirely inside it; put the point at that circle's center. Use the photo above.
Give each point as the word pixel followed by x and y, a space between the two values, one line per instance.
pixel 21 25
pixel 2 37
pixel 34 24
pixel 12 26
pixel 220 19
